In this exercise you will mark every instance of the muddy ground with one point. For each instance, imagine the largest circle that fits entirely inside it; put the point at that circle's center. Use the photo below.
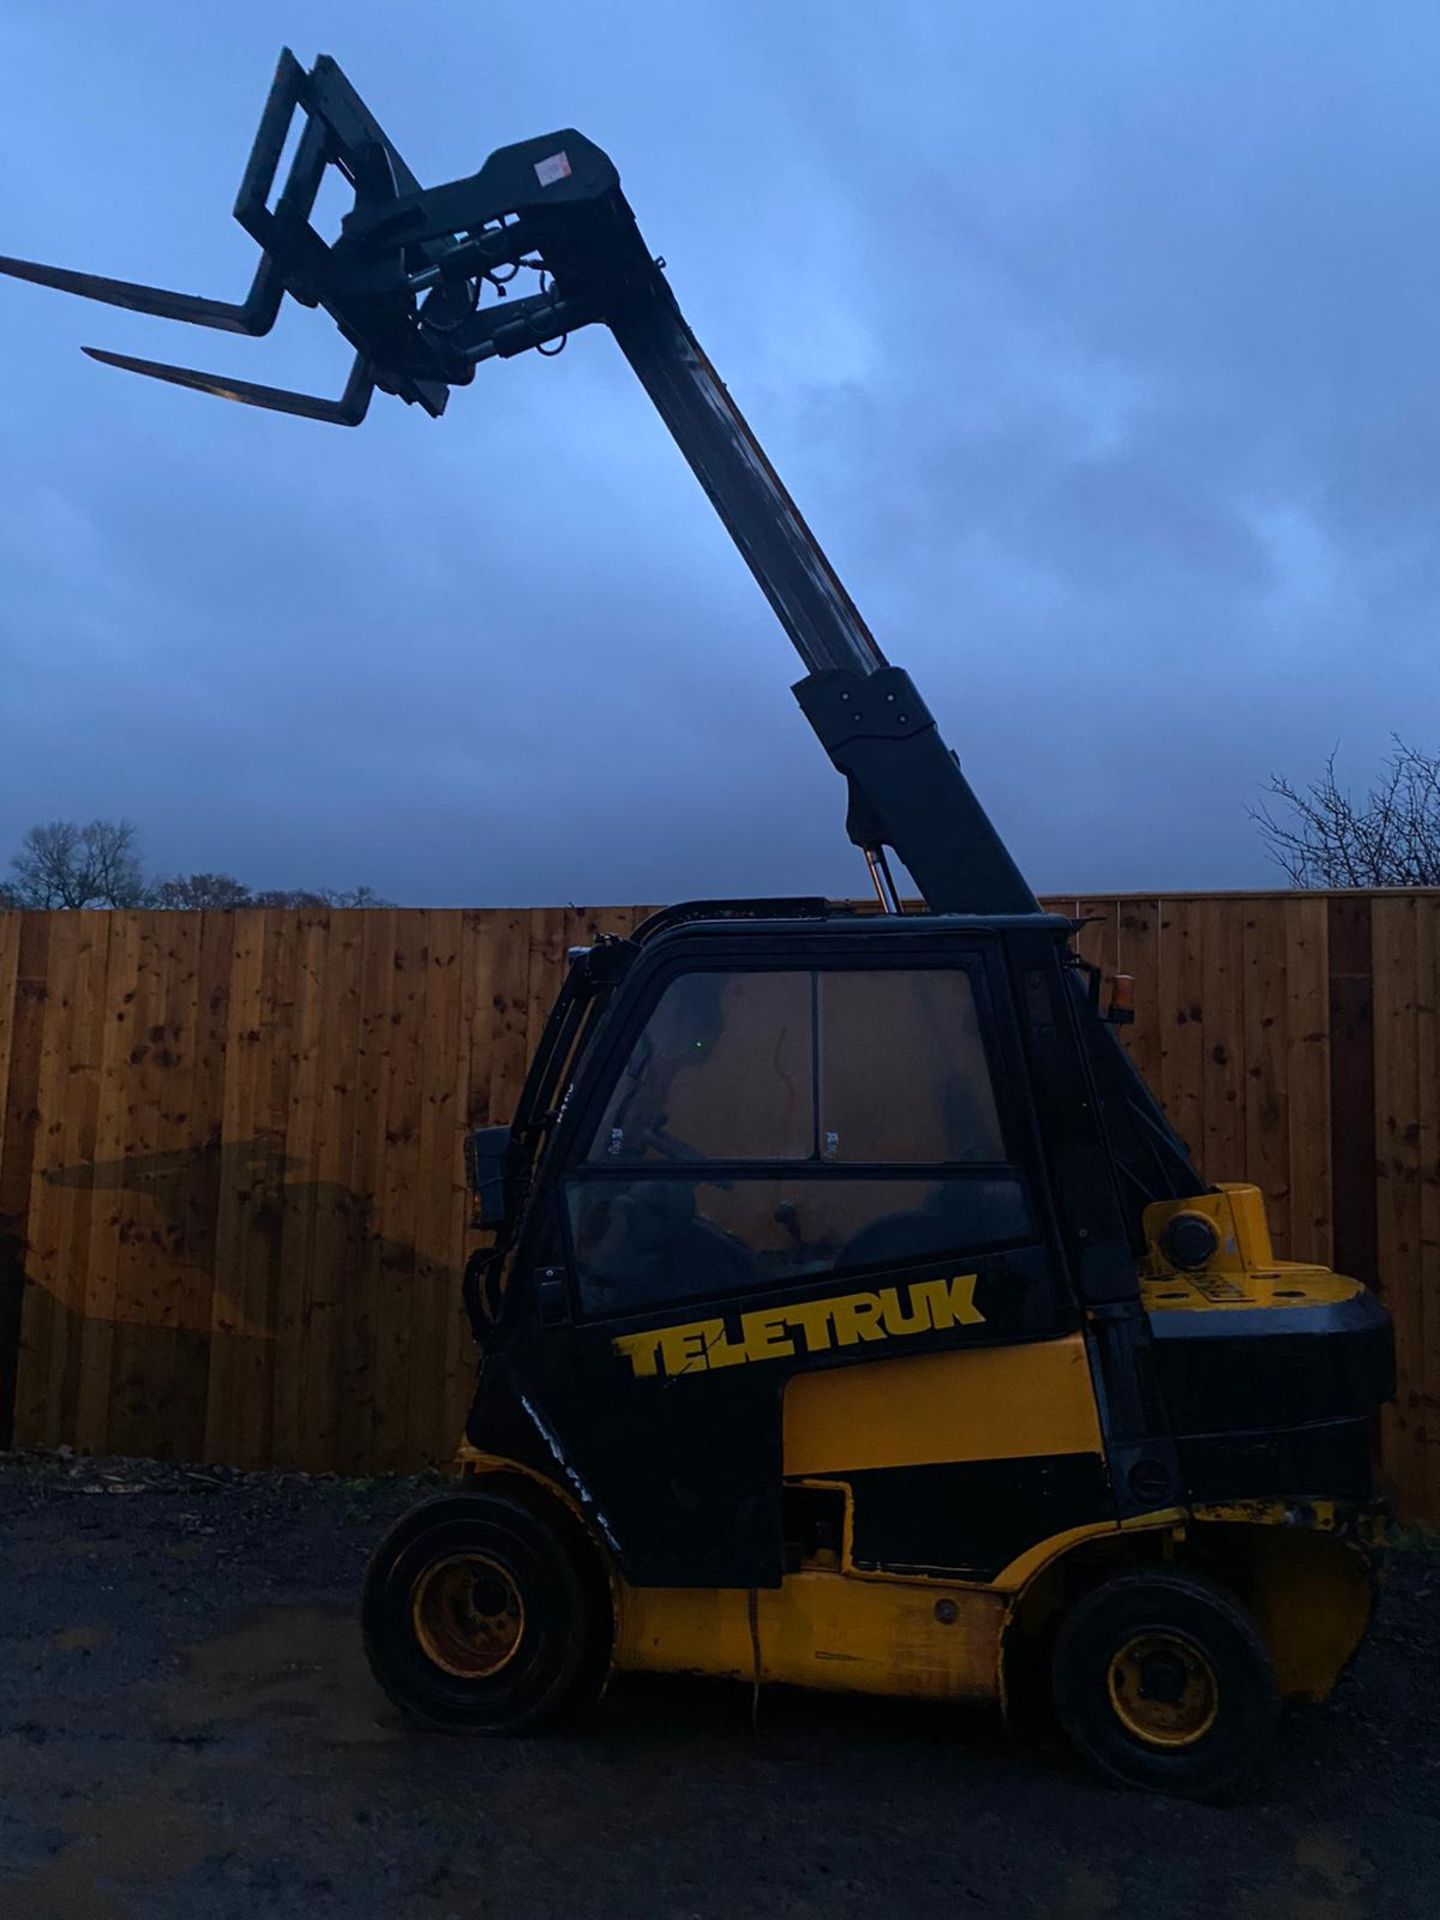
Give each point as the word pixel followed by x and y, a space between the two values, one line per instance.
pixel 187 1728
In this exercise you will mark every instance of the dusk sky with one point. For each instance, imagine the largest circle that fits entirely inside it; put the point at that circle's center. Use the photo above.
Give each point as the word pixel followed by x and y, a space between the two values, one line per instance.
pixel 1099 344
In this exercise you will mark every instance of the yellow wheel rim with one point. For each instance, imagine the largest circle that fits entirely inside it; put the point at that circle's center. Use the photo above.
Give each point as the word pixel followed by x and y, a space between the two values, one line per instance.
pixel 1163 1690
pixel 468 1615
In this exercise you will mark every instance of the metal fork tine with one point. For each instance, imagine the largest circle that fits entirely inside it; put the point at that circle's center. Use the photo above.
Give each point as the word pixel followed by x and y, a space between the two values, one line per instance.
pixel 254 315
pixel 348 411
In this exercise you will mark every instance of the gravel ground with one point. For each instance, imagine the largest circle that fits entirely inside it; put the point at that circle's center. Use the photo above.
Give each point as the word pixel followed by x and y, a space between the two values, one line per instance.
pixel 187 1729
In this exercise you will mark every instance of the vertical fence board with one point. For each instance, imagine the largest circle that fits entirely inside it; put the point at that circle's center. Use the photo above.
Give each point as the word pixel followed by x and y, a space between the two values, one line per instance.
pixel 479 1012
pixel 436 1408
pixel 20 1121
pixel 479 1016
pixel 336 1207
pixel 545 972
pixel 1308 1078
pixel 299 1268
pixel 1222 998
pixel 237 1410
pixel 276 1288
pixel 398 1192
pixel 355 1325
pixel 510 988
pixel 201 1166
pixel 1181 1019
pixel 1137 952
pixel 42 1334
pixel 1352 1086
pixel 137 1406
pixel 1095 940
pixel 1263 1039
pixel 167 1351
pixel 1398 1150
pixel 97 1339
pixel 70 1179
pixel 1425 1433
pixel 12 930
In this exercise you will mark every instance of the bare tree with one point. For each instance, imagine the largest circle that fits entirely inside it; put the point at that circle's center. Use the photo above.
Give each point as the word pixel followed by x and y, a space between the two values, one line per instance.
pixel 319 897
pixel 1390 838
pixel 63 864
pixel 200 890
pixel 192 891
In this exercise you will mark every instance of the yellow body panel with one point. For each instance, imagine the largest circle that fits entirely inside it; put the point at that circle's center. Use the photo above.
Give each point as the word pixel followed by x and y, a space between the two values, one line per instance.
pixel 921 1637
pixel 1311 1580
pixel 1312 1598
pixel 1022 1570
pixel 977 1403
pixel 1286 1284
pixel 1244 1272
pixel 1238 1213
pixel 921 1640
pixel 1304 1569
pixel 911 1635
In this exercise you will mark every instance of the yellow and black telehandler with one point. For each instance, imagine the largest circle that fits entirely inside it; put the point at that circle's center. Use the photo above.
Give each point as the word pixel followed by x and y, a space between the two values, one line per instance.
pixel 851 1316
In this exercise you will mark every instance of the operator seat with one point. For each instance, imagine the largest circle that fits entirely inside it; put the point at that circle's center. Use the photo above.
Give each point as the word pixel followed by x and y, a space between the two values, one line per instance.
pixel 657 1248
pixel 958 1216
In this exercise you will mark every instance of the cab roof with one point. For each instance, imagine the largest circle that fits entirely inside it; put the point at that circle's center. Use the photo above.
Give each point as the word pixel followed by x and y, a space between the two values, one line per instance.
pixel 795 914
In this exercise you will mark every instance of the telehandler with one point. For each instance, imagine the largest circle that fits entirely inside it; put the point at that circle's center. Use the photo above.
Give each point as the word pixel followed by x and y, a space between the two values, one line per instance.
pixel 851 1315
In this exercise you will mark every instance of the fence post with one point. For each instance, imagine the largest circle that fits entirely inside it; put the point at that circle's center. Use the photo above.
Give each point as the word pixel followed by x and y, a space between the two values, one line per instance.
pixel 18 1121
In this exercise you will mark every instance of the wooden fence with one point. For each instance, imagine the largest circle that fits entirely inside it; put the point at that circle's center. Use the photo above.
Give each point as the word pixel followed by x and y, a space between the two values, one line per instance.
pixel 231 1213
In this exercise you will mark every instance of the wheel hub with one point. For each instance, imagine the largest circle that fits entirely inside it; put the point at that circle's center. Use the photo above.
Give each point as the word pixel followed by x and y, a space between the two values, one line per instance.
pixel 468 1615
pixel 1163 1689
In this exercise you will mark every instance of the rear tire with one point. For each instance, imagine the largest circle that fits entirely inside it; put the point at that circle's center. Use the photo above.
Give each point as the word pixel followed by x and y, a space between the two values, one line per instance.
pixel 1162 1681
pixel 476 1617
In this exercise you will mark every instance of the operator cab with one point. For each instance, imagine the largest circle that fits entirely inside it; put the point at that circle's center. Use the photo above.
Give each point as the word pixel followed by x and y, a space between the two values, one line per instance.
pixel 781 1145
pixel 759 1149
pixel 779 1118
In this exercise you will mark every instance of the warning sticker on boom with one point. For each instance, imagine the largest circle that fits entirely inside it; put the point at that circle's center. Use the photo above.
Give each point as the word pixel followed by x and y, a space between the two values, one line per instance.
pixel 557 167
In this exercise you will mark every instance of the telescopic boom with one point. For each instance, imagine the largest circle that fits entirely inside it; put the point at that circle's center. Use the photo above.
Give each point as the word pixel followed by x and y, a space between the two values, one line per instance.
pixel 418 283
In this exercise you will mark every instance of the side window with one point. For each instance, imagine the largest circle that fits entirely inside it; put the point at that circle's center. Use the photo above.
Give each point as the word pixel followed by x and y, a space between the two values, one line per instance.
pixel 646 1242
pixel 903 1073
pixel 723 1071
pixel 862 1095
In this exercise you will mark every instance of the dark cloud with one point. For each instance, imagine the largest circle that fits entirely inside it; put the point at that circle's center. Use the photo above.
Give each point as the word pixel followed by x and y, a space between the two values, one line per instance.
pixel 1101 346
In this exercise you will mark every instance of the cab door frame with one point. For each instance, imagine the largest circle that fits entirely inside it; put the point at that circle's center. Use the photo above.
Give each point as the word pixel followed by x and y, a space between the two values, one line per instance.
pixel 715 1518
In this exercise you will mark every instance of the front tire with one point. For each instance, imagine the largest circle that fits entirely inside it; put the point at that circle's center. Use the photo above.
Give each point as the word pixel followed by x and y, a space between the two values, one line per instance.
pixel 1162 1682
pixel 476 1617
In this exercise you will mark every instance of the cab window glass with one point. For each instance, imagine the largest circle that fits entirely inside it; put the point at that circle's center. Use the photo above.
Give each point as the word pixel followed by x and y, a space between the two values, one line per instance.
pixel 724 1070
pixel 903 1073
pixel 645 1242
